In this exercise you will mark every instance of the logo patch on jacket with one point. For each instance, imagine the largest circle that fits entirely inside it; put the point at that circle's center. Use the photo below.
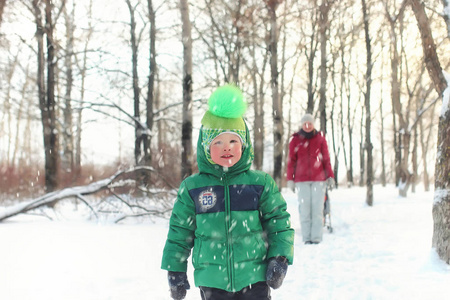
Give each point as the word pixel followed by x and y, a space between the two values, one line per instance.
pixel 211 199
pixel 207 199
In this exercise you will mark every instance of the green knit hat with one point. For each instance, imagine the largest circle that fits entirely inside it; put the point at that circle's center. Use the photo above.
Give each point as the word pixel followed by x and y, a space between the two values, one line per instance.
pixel 226 108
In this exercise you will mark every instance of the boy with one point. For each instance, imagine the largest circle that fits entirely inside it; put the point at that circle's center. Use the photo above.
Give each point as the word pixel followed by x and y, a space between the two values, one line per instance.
pixel 234 218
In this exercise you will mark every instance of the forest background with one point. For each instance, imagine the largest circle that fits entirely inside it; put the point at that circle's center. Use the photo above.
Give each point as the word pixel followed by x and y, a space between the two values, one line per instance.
pixel 92 88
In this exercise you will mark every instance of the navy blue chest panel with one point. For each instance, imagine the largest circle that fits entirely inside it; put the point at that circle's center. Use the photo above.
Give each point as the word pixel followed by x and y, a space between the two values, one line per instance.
pixel 210 199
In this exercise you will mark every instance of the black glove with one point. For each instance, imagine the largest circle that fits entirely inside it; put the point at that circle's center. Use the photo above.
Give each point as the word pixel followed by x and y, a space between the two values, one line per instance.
pixel 276 271
pixel 178 284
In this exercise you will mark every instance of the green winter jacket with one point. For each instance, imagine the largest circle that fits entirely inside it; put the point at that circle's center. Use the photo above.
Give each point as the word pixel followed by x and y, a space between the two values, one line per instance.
pixel 235 220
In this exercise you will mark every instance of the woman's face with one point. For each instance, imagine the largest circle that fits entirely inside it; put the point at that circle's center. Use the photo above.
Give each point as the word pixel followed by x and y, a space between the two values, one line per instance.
pixel 226 149
pixel 308 126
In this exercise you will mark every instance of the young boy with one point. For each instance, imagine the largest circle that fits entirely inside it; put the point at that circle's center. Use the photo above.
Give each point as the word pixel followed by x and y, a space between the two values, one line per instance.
pixel 234 218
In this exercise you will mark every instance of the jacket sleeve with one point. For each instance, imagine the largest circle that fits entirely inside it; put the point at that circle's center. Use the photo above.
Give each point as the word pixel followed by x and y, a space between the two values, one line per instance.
pixel 180 238
pixel 276 222
pixel 291 160
pixel 326 159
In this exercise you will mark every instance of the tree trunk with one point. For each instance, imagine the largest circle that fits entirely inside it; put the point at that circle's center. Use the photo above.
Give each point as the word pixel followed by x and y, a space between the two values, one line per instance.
pixel 311 68
pixel 257 71
pixel 441 205
pixel 153 69
pixel 414 162
pixel 429 47
pixel 20 113
pixel 138 130
pixel 405 175
pixel 395 96
pixel 383 152
pixel 46 93
pixel 186 135
pixel 52 165
pixel 258 123
pixel 368 142
pixel 350 143
pixel 83 69
pixel 7 109
pixel 362 152
pixel 324 10
pixel 424 145
pixel 277 112
pixel 68 157
pixel 2 6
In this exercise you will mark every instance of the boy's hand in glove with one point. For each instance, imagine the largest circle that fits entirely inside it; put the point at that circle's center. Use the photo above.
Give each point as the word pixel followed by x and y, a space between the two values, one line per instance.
pixel 276 271
pixel 178 284
pixel 330 183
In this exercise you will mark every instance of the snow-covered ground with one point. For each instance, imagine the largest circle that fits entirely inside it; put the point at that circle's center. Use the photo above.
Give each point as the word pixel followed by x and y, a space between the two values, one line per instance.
pixel 380 252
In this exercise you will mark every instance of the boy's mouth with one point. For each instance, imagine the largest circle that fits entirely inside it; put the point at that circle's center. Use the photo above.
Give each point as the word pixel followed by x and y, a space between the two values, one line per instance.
pixel 227 156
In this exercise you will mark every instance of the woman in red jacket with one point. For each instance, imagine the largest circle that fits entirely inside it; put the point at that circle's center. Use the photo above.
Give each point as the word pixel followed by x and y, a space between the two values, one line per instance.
pixel 309 170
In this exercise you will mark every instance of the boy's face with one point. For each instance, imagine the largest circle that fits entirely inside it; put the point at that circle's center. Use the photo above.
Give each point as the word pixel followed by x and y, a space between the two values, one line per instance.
pixel 226 149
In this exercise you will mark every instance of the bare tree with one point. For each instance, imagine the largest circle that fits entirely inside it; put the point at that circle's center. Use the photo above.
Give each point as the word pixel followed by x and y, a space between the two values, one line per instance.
pixel 138 130
pixel 441 205
pixel 347 121
pixel 186 135
pixel 277 112
pixel 401 173
pixel 46 92
pixel 82 65
pixel 150 101
pixel 324 24
pixel 310 52
pixel 256 64
pixel 368 142
pixel 258 83
pixel 222 36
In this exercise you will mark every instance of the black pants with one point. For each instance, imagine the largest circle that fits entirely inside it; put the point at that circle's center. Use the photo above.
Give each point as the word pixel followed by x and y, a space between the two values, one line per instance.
pixel 257 291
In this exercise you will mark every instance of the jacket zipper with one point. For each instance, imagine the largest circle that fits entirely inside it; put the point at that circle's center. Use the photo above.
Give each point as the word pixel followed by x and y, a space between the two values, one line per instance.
pixel 228 232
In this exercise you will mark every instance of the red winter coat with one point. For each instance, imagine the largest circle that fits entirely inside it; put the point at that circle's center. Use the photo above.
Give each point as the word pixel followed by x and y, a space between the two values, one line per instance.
pixel 309 159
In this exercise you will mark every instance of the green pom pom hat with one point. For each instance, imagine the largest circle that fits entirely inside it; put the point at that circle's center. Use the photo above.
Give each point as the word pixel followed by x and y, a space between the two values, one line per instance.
pixel 226 108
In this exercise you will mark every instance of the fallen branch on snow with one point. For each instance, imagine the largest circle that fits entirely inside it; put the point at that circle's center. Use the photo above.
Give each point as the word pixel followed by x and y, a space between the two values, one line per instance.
pixel 77 192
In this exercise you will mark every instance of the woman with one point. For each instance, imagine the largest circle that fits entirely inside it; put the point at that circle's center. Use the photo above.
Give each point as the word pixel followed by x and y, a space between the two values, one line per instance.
pixel 309 170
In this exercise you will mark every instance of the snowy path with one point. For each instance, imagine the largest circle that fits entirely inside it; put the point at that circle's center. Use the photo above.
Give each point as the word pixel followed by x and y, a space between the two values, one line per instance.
pixel 380 252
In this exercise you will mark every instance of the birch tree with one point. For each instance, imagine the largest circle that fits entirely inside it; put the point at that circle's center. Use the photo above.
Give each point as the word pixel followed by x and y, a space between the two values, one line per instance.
pixel 186 130
pixel 324 24
pixel 67 160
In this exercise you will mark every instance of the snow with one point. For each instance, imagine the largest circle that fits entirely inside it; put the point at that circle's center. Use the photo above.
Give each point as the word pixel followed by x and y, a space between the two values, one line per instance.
pixel 378 252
